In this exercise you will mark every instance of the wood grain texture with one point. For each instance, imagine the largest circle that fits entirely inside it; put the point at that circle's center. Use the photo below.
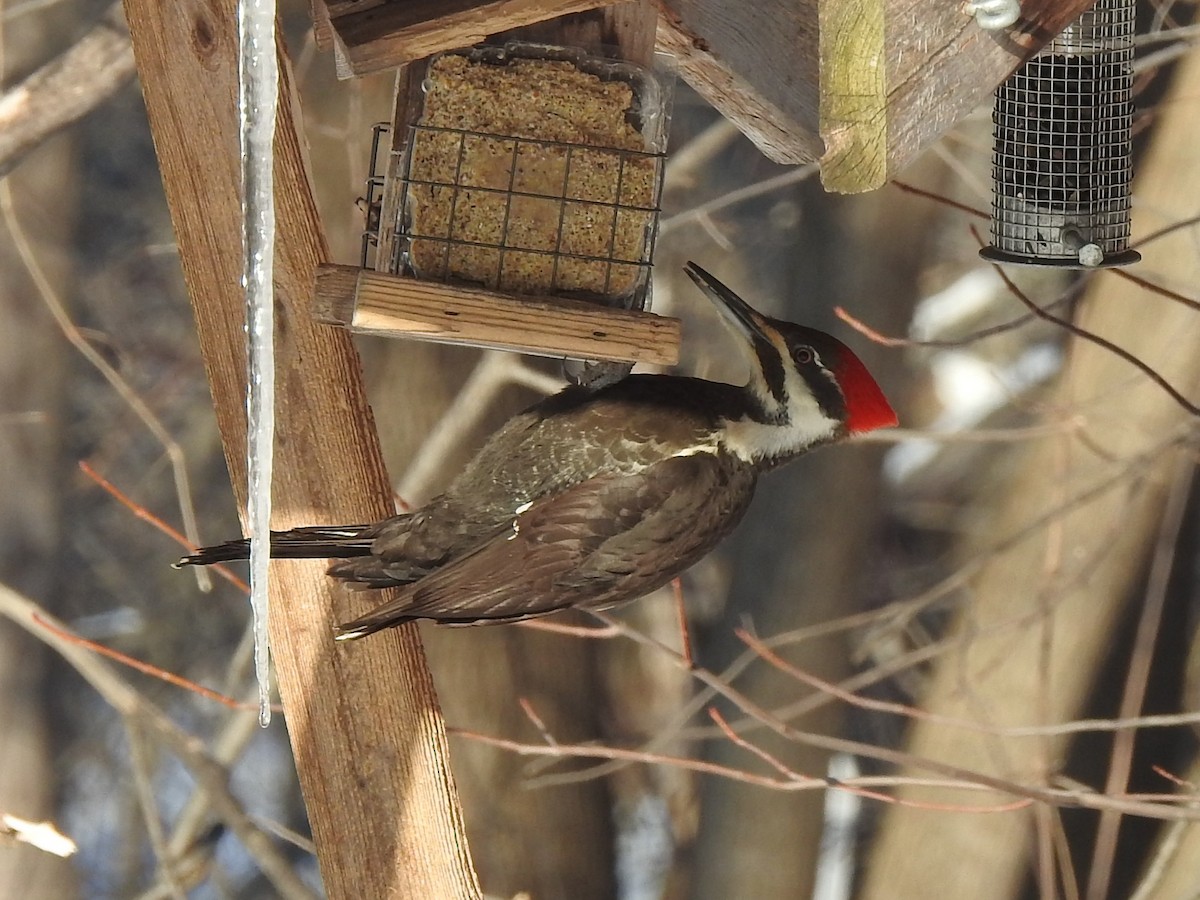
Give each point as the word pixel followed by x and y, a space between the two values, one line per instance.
pixel 397 306
pixel 756 63
pixel 367 735
pixel 385 33
pixel 853 94
pixel 862 85
pixel 938 66
pixel 322 28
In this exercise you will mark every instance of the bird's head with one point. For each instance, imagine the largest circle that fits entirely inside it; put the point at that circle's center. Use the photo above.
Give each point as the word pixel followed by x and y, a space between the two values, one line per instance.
pixel 806 387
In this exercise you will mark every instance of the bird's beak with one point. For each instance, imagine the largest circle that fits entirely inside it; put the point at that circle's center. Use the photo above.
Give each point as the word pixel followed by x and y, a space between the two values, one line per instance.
pixel 744 320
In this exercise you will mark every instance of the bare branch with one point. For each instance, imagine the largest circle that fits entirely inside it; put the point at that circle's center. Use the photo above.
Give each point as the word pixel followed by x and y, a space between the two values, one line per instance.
pixel 65 90
pixel 118 382
pixel 1138 675
pixel 209 773
pixel 1097 340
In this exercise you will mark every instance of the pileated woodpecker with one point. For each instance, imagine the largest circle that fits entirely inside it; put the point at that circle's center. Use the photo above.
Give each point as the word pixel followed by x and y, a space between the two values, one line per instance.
pixel 591 499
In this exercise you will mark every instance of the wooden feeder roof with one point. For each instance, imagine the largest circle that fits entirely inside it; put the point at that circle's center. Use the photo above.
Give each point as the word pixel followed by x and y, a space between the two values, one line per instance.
pixel 862 86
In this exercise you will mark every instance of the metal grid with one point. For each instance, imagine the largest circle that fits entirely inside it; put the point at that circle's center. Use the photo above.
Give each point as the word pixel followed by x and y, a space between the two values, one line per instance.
pixel 480 218
pixel 1061 166
pixel 372 202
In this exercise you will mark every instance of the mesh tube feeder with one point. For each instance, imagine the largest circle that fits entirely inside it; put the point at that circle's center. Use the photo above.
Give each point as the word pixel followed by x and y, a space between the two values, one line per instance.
pixel 1061 157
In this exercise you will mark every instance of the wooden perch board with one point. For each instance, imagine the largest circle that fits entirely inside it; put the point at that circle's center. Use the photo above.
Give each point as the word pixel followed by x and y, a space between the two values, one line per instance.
pixel 371 35
pixel 863 86
pixel 368 738
pixel 394 305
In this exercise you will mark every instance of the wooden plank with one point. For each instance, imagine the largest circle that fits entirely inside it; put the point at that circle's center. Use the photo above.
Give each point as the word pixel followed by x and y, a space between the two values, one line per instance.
pixel 897 74
pixel 862 85
pixel 322 27
pixel 363 720
pixel 396 306
pixel 853 94
pixel 756 63
pixel 385 33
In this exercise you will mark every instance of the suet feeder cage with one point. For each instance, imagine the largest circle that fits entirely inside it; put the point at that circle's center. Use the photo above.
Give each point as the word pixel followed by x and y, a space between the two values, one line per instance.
pixel 1061 161
pixel 533 170
pixel 517 179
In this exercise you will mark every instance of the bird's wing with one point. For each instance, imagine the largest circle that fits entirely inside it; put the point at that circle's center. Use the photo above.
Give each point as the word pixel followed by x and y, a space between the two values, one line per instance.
pixel 560 443
pixel 607 539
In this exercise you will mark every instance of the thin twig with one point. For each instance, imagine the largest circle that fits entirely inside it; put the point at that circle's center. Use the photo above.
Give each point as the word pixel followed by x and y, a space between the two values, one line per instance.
pixel 590 632
pixel 1103 343
pixel 738 741
pixel 1156 288
pixel 785 783
pixel 1162 233
pixel 685 637
pixel 1123 724
pixel 940 198
pixel 901 758
pixel 154 425
pixel 951 343
pixel 208 773
pixel 532 716
pixel 66 89
pixel 1138 676
pixel 146 516
pixel 139 758
pixel 1157 808
pixel 146 668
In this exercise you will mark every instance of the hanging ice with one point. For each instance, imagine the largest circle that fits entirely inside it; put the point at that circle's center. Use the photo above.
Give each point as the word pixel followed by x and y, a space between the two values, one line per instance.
pixel 258 77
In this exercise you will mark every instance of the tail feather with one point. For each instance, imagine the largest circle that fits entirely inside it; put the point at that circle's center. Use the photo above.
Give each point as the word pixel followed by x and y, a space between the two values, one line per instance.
pixel 365 625
pixel 319 542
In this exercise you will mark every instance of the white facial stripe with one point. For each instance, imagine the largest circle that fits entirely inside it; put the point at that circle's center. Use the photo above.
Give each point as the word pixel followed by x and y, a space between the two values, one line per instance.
pixel 804 423
pixel 807 425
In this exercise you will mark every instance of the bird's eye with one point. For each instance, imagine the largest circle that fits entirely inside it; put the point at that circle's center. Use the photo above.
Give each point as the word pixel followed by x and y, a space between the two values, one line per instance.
pixel 804 355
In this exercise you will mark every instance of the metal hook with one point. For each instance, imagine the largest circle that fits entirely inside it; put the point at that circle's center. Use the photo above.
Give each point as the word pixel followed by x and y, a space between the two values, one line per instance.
pixel 994 15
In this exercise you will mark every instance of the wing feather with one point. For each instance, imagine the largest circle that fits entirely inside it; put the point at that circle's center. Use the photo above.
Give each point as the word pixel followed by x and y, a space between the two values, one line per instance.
pixel 607 539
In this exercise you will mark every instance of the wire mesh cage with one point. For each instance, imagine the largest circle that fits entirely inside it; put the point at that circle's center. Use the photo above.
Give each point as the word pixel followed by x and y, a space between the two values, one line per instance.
pixel 1061 160
pixel 528 216
pixel 525 169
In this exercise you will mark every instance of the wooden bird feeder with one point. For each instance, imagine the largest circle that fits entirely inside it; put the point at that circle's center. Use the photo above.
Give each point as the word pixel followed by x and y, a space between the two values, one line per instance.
pixel 515 200
pixel 489 225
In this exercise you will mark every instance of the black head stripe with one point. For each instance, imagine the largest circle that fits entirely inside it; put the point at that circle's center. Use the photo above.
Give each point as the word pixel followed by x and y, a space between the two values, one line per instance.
pixel 826 391
pixel 771 365
pixel 818 372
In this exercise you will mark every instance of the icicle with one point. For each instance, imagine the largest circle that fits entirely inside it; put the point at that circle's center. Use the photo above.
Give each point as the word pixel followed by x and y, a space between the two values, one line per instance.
pixel 258 76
